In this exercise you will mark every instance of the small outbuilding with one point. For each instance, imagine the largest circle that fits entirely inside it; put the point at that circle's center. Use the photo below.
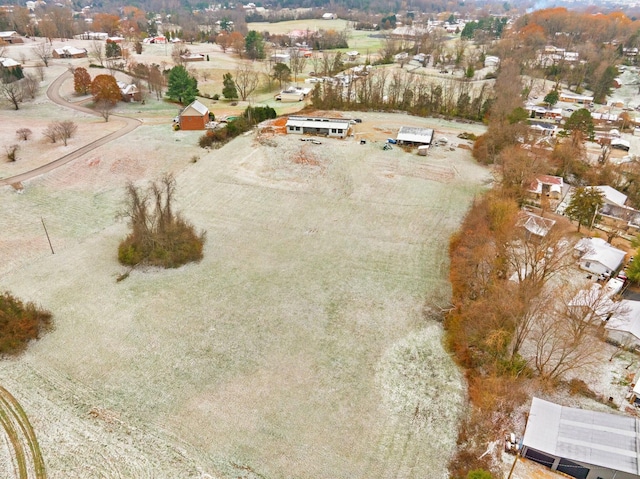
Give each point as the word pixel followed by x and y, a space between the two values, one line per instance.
pixel 332 127
pixel 194 117
pixel 581 443
pixel 409 135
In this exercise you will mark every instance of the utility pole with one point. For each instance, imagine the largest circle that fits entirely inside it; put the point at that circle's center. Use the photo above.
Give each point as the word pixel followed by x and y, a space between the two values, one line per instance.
pixel 47 233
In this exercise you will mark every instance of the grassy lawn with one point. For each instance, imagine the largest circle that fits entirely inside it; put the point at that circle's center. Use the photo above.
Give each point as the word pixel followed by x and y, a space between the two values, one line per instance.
pixel 298 347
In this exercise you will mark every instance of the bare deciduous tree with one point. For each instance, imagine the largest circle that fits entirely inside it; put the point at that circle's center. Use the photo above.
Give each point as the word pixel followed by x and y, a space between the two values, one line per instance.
pixel 297 62
pixel 96 52
pixel 40 70
pixel 30 85
pixel 12 152
pixel 66 129
pixel 51 133
pixel 23 134
pixel 12 92
pixel 43 52
pixel 104 107
pixel 246 80
pixel 566 338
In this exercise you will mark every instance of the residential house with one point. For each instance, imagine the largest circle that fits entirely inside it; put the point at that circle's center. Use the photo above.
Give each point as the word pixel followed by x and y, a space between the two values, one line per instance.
pixel 598 256
pixel 158 39
pixel 547 185
pixel 69 52
pixel 611 195
pixel 192 57
pixel 332 127
pixel 293 93
pixel 409 135
pixel 92 36
pixel 575 98
pixel 620 144
pixel 11 37
pixel 623 218
pixel 491 61
pixel 624 326
pixel 280 57
pixel 194 117
pixel 129 92
pixel 581 443
pixel 409 32
pixel 352 56
pixel 8 63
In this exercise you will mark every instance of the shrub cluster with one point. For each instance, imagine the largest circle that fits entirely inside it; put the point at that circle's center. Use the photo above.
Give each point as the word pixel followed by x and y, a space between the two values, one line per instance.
pixel 20 323
pixel 159 236
pixel 250 117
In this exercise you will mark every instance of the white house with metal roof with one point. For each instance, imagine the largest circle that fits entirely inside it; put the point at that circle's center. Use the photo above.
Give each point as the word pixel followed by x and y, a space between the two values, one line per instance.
pixel 332 127
pixel 598 256
pixel 414 136
pixel 582 444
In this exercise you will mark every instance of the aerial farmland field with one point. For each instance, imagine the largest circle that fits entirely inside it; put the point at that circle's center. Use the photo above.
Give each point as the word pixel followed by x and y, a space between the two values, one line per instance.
pixel 303 344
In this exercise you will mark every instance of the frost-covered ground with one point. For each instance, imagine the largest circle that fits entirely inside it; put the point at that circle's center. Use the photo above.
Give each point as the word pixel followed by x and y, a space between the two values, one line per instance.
pixel 298 347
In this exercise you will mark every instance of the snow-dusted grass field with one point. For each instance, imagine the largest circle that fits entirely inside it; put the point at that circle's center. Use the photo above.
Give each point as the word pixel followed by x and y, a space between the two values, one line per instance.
pixel 301 345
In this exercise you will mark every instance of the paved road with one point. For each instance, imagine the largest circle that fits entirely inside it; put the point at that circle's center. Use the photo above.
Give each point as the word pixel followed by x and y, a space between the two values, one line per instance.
pixel 53 93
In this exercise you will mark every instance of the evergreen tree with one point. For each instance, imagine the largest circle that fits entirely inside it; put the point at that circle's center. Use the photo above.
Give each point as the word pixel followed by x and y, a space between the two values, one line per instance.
pixel 552 97
pixel 584 206
pixel 113 50
pixel 229 87
pixel 254 45
pixel 580 120
pixel 182 86
pixel 282 73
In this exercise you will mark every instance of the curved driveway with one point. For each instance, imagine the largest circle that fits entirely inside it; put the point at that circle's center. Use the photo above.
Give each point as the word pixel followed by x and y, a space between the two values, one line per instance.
pixel 53 92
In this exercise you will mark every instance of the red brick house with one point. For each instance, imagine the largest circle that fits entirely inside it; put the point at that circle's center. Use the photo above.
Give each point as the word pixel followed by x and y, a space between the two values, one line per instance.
pixel 194 117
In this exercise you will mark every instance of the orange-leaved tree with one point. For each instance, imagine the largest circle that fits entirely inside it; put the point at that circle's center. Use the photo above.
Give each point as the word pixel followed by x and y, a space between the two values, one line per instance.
pixel 81 81
pixel 106 94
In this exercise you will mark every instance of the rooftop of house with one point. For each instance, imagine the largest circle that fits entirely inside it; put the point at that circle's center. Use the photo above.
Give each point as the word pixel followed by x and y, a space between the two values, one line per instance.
pixel 597 438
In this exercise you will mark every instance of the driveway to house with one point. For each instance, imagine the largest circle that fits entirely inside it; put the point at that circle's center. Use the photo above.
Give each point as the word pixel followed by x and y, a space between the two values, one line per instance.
pixel 53 93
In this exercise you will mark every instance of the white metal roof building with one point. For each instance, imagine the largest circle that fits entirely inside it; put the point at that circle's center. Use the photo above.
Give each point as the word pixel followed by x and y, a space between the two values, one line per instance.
pixel 599 256
pixel 611 195
pixel 333 127
pixel 583 444
pixel 413 135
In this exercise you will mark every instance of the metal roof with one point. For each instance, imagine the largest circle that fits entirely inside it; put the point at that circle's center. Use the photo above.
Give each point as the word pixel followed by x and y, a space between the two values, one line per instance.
pixel 318 122
pixel 595 438
pixel 415 135
pixel 197 106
